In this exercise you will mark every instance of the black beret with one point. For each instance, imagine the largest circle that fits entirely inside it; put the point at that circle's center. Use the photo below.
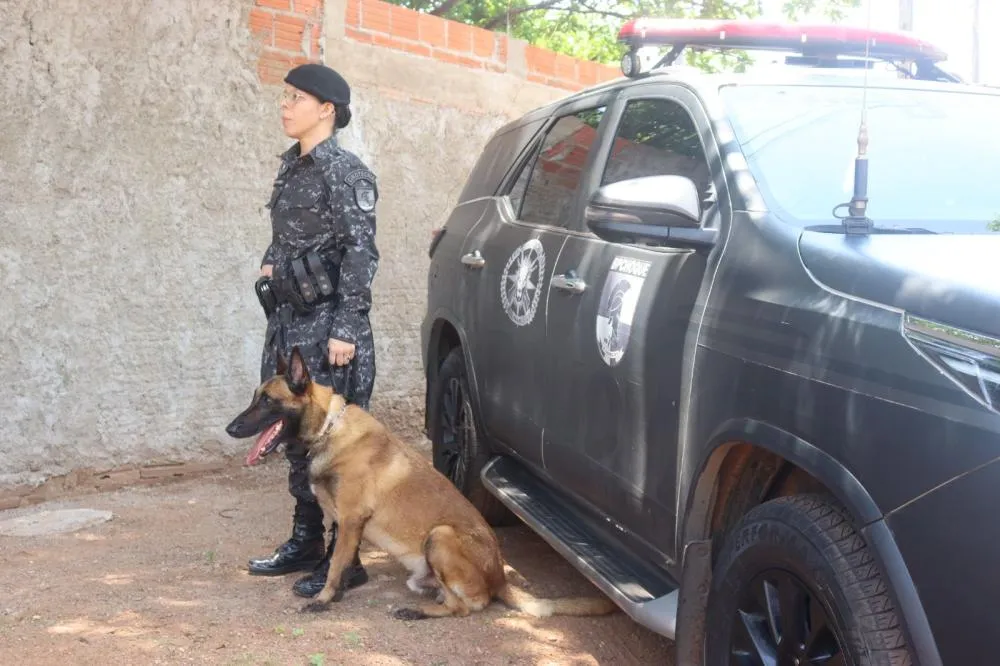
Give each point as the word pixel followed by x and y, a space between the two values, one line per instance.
pixel 322 82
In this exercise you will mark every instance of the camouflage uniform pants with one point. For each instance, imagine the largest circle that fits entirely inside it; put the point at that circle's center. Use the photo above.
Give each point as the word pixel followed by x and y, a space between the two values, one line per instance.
pixel 286 330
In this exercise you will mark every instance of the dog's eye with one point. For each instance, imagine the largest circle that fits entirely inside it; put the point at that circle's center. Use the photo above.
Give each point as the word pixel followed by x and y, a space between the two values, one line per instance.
pixel 265 399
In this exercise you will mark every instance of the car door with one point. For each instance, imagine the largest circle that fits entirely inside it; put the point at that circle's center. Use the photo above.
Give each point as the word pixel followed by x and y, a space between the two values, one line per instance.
pixel 513 251
pixel 618 316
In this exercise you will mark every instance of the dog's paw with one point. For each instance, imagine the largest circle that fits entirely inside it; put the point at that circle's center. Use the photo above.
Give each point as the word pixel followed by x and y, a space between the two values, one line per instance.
pixel 408 614
pixel 315 607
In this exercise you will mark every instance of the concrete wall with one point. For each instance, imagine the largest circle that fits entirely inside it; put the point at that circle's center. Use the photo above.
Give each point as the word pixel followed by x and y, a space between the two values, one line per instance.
pixel 137 151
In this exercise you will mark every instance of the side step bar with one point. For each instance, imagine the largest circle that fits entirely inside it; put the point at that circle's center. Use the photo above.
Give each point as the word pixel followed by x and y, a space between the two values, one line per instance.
pixel 644 593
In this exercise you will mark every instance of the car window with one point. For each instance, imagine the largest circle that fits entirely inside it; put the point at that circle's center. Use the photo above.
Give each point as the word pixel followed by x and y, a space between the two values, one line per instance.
pixel 657 137
pixel 544 191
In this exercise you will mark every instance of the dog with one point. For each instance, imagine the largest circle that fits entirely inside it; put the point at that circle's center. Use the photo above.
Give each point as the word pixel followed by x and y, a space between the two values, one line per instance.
pixel 381 490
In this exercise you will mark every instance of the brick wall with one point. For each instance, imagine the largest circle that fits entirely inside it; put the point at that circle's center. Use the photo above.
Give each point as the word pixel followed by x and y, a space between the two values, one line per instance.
pixel 289 32
pixel 401 29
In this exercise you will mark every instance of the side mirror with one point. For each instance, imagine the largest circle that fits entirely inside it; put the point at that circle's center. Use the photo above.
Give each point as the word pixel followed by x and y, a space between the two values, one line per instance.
pixel 647 209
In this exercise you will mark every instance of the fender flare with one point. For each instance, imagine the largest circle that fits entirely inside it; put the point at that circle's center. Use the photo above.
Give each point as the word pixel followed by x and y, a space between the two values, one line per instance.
pixel 439 319
pixel 842 484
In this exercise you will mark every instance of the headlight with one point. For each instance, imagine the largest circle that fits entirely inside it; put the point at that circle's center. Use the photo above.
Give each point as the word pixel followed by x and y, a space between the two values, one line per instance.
pixel 969 359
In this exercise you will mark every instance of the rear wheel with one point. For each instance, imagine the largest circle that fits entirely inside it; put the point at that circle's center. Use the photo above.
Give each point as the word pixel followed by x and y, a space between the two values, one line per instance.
pixel 459 451
pixel 795 585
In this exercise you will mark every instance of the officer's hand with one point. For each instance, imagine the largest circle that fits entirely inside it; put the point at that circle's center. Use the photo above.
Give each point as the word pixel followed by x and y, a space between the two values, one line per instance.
pixel 341 352
pixel 266 269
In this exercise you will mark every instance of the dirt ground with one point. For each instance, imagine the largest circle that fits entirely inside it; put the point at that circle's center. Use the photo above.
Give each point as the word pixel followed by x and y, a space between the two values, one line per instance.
pixel 165 582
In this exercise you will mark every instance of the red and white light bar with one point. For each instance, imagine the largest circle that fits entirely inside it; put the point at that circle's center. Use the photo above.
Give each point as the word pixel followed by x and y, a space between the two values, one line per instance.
pixel 753 34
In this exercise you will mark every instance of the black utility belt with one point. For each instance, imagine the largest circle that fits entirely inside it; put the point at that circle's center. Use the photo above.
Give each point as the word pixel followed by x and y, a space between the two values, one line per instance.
pixel 305 282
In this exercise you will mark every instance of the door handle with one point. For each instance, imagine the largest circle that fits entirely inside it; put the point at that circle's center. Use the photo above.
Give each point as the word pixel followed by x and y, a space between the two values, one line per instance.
pixel 473 259
pixel 569 282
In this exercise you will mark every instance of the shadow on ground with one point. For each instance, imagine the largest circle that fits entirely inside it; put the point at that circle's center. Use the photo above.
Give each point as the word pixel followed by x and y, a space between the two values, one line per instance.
pixel 165 582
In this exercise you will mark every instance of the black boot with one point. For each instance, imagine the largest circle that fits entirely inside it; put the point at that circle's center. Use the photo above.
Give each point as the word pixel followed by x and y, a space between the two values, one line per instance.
pixel 311 585
pixel 301 552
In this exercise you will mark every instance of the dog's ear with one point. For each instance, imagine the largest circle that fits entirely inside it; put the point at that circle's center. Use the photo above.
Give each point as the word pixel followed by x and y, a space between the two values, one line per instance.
pixel 298 375
pixel 282 365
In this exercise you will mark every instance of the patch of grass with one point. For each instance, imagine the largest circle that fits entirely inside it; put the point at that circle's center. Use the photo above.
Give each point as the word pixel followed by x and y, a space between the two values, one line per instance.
pixel 298 631
pixel 316 659
pixel 352 639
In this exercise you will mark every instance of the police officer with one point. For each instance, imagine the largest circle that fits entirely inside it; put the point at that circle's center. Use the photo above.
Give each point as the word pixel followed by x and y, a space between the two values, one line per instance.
pixel 318 270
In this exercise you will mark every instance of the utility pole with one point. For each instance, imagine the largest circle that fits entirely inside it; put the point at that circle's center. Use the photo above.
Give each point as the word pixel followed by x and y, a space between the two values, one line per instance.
pixel 975 40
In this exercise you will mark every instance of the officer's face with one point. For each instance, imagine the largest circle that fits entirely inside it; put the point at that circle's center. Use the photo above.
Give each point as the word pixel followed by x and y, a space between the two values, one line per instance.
pixel 301 113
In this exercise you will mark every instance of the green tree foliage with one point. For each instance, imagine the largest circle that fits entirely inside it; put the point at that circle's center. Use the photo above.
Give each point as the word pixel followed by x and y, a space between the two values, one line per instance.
pixel 588 29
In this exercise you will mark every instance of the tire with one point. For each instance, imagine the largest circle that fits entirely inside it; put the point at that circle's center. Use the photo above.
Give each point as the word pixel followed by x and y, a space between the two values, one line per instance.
pixel 458 447
pixel 806 544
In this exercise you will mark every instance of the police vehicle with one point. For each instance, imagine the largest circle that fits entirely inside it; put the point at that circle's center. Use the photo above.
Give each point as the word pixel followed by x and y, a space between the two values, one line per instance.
pixel 730 343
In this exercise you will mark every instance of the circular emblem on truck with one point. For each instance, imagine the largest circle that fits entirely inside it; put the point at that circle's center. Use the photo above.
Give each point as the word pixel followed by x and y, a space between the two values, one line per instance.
pixel 617 307
pixel 521 282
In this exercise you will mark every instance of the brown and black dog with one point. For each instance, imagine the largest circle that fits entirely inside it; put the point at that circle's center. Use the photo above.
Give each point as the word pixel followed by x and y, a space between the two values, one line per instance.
pixel 384 491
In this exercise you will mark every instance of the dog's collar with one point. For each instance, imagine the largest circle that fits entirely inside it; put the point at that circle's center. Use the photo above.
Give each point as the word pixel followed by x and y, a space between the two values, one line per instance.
pixel 331 419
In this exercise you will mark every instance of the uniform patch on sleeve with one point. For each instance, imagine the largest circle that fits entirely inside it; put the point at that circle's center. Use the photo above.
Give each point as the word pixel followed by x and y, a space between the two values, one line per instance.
pixel 362 181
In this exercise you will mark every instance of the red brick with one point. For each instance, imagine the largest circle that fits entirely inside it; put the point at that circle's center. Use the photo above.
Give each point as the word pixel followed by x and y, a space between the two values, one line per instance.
pixel 587 72
pixel 376 16
pixel 359 35
pixel 262 25
pixel 453 59
pixel 432 30
pixel 273 67
pixel 310 8
pixel 459 37
pixel 417 49
pixel 565 67
pixel 540 61
pixel 288 32
pixel 388 42
pixel 606 73
pixel 284 5
pixel 483 43
pixel 404 23
pixel 353 15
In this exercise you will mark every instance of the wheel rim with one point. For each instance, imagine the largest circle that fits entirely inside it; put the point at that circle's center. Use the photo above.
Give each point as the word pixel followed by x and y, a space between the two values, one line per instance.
pixel 456 432
pixel 781 622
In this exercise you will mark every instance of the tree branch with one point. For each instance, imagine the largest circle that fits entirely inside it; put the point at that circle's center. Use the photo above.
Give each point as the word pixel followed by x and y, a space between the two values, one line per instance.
pixel 444 8
pixel 517 11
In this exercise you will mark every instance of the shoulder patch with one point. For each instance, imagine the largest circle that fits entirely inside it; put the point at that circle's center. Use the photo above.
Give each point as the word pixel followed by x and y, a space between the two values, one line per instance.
pixel 362 181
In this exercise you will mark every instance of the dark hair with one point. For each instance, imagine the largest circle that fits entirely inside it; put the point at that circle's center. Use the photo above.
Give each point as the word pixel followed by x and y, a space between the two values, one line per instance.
pixel 343 115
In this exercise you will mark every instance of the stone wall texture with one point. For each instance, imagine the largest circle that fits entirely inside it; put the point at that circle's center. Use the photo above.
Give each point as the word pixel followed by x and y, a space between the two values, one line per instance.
pixel 137 152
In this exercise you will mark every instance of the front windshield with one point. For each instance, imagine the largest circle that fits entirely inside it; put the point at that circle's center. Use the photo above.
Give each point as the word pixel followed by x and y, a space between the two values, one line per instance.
pixel 933 156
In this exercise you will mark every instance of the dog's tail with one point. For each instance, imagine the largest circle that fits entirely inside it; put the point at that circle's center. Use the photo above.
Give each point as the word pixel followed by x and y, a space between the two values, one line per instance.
pixel 520 599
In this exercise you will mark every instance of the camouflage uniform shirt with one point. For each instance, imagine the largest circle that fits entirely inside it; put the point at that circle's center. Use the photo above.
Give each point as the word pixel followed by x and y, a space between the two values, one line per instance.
pixel 325 201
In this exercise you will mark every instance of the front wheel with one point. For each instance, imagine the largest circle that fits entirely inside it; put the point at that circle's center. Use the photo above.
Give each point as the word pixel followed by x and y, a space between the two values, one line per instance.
pixel 796 585
pixel 459 451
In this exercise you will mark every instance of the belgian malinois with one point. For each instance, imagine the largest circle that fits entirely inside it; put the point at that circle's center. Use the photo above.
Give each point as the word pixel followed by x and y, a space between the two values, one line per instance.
pixel 382 490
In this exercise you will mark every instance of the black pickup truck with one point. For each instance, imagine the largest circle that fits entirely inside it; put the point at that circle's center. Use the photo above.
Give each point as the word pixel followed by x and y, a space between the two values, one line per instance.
pixel 745 378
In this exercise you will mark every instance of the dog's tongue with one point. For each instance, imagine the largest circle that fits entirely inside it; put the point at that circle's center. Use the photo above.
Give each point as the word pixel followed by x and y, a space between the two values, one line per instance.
pixel 262 441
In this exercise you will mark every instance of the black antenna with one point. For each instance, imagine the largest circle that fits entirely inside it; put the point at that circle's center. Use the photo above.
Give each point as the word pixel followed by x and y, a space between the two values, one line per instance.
pixel 856 221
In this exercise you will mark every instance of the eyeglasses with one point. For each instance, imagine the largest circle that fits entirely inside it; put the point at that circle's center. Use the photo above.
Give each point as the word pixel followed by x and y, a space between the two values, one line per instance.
pixel 292 97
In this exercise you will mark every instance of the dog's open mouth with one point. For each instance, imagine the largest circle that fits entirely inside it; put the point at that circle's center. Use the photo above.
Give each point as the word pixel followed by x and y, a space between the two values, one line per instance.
pixel 266 443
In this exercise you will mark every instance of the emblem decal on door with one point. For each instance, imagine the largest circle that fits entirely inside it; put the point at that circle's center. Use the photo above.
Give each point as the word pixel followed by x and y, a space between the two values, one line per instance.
pixel 521 282
pixel 617 306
